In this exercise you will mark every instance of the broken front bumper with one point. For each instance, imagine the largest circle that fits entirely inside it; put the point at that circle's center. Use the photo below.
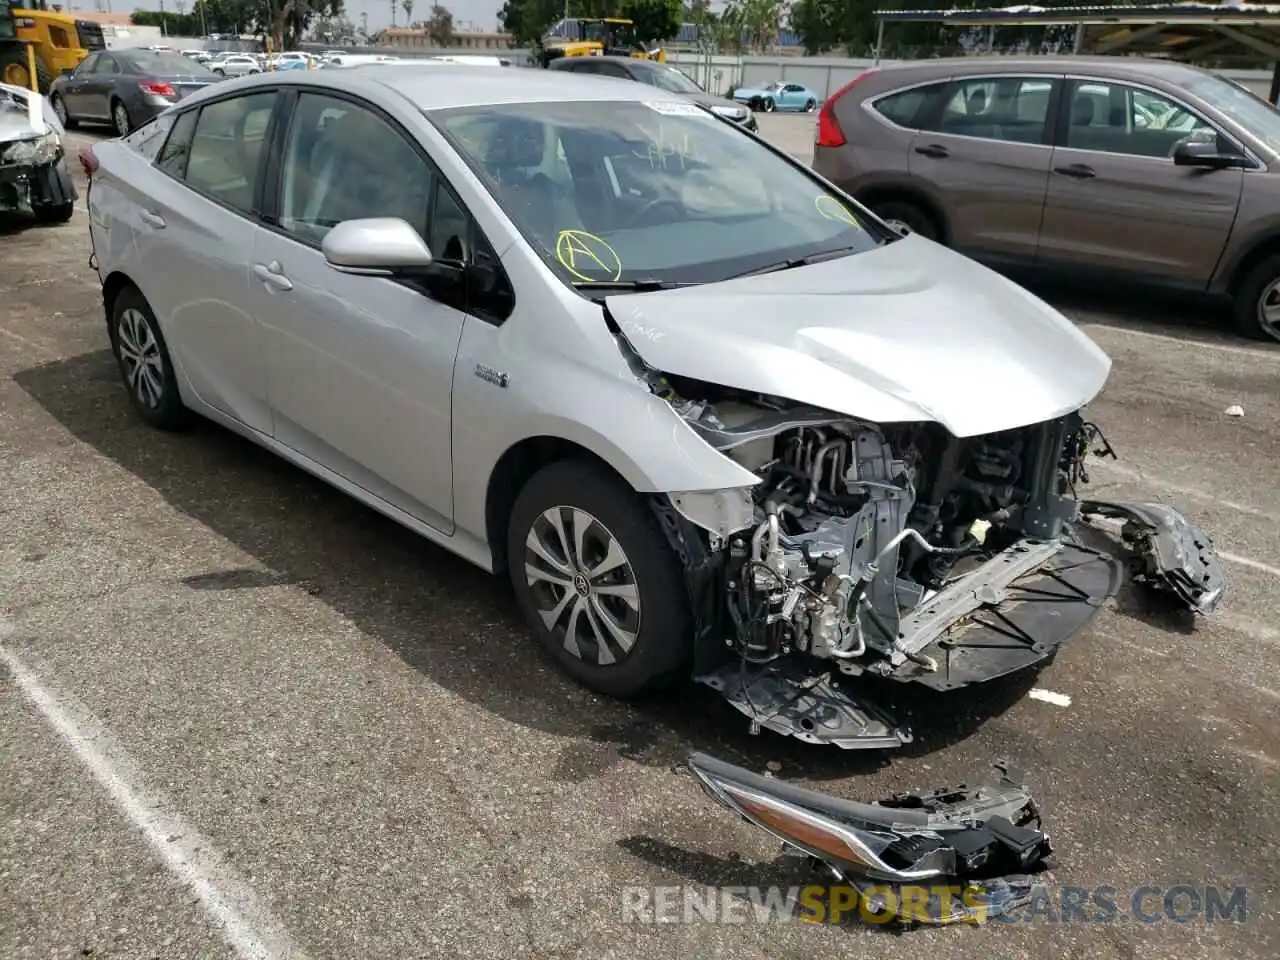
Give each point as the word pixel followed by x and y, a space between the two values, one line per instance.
pixel 24 187
pixel 1008 615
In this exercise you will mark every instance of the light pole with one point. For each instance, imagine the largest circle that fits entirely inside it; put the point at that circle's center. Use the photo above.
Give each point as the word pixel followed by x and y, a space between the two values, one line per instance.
pixel 393 13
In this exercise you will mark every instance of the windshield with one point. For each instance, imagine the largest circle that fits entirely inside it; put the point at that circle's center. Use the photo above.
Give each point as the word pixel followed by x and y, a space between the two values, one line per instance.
pixel 1242 105
pixel 151 63
pixel 617 191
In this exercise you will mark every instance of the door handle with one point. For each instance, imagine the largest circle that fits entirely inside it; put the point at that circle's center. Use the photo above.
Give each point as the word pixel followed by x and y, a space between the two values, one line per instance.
pixel 273 274
pixel 1079 171
pixel 935 150
pixel 152 219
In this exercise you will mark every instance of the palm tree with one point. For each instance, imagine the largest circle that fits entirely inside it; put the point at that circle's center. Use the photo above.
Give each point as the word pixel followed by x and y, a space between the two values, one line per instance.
pixel 408 12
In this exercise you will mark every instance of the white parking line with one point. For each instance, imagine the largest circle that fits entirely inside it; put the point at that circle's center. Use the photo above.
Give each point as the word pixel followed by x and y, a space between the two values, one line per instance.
pixel 1129 473
pixel 244 923
pixel 1257 353
pixel 1048 696
pixel 1250 563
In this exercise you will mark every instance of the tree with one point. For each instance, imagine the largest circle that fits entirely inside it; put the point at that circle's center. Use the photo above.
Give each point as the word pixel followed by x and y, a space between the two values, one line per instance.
pixel 407 5
pixel 528 20
pixel 654 19
pixel 440 26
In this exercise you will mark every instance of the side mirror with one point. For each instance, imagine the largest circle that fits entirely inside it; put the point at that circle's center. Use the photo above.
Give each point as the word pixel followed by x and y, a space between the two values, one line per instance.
pixel 378 246
pixel 1204 154
pixel 68 71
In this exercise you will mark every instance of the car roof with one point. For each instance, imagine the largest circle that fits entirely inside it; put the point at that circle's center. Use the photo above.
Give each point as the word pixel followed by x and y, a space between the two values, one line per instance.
pixel 1119 67
pixel 443 85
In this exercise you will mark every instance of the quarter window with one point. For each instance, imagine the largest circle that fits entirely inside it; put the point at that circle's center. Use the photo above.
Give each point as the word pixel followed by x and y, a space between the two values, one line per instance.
pixel 344 162
pixel 226 146
pixel 1001 108
pixel 173 156
pixel 903 108
pixel 1118 118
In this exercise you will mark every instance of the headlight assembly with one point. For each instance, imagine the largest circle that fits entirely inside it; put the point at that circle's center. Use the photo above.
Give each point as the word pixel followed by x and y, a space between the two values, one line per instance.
pixel 35 152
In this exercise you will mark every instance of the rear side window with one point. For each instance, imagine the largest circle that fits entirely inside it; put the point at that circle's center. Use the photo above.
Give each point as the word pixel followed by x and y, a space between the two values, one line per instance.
pixel 173 157
pixel 226 146
pixel 904 108
pixel 1002 108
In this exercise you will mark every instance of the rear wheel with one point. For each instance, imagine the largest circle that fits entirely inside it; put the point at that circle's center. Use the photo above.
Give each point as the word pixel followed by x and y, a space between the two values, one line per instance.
pixel 906 217
pixel 120 118
pixel 144 361
pixel 598 581
pixel 810 105
pixel 767 105
pixel 1257 301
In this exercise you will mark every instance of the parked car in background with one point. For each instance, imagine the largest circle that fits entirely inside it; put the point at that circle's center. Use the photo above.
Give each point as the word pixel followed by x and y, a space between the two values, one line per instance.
pixel 125 88
pixel 1107 167
pixel 777 96
pixel 199 56
pixel 235 65
pixel 656 75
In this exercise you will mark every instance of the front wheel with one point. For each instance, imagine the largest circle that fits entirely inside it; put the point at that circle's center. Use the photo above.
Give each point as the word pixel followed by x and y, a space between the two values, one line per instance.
pixel 810 105
pixel 597 580
pixel 219 72
pixel 906 217
pixel 1257 301
pixel 64 118
pixel 768 105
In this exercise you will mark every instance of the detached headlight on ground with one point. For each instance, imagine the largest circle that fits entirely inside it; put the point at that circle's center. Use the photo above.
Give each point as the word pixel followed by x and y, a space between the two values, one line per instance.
pixel 35 152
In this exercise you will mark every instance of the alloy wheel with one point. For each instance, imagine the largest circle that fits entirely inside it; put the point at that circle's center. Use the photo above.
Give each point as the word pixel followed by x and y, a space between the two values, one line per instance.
pixel 583 585
pixel 140 358
pixel 120 116
pixel 1269 309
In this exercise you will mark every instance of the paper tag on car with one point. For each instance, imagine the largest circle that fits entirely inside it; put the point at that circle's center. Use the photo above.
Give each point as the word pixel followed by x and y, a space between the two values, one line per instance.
pixel 671 108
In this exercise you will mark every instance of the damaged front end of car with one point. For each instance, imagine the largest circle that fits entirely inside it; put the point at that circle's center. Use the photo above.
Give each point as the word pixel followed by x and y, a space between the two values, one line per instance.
pixel 33 171
pixel 894 552
pixel 955 854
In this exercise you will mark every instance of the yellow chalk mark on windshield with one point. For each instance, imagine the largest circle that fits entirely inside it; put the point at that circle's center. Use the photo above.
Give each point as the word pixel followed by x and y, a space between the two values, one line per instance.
pixel 830 208
pixel 578 250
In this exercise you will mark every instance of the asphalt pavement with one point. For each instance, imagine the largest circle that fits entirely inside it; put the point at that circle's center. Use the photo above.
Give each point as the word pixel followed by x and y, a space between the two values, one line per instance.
pixel 241 715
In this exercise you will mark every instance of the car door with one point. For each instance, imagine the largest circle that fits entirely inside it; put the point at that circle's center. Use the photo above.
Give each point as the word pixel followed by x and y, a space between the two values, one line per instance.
pixel 197 227
pixel 792 97
pixel 1116 199
pixel 984 153
pixel 360 367
pixel 72 89
pixel 96 93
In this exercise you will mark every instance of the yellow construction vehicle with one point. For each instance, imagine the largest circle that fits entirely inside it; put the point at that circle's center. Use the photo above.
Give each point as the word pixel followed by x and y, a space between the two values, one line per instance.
pixel 37 44
pixel 601 36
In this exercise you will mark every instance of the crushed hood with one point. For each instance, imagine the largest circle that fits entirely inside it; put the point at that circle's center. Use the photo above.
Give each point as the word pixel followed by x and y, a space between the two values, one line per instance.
pixel 908 331
pixel 25 114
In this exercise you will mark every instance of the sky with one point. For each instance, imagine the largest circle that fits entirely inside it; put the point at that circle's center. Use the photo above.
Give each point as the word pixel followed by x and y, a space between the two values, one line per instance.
pixel 482 14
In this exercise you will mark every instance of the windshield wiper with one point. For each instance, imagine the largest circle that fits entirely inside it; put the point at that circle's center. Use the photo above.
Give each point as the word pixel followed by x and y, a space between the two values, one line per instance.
pixel 644 285
pixel 797 262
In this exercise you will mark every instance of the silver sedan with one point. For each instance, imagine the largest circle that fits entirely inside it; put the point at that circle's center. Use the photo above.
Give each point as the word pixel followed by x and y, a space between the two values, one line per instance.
pixel 712 417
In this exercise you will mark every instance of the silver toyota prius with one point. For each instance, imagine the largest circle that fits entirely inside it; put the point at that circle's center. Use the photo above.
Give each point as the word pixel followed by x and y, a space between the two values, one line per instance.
pixel 715 420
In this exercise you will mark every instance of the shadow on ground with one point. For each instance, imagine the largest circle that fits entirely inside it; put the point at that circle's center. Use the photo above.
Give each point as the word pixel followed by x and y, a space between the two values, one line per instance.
pixel 454 623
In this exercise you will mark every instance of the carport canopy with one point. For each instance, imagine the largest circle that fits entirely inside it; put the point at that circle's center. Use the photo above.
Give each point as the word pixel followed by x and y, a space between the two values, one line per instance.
pixel 1189 32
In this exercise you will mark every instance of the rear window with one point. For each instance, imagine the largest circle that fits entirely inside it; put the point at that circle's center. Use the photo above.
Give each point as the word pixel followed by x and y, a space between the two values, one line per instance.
pixel 162 64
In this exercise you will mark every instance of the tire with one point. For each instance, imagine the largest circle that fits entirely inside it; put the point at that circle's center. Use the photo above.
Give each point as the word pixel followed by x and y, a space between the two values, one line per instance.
pixel 54 212
pixel 660 626
pixel 139 346
pixel 60 108
pixel 907 214
pixel 121 122
pixel 810 105
pixel 1259 289
pixel 767 105
pixel 221 73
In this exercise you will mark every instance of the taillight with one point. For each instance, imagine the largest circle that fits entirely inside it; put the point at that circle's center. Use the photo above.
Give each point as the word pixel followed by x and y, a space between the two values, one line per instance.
pixel 88 161
pixel 157 89
pixel 829 132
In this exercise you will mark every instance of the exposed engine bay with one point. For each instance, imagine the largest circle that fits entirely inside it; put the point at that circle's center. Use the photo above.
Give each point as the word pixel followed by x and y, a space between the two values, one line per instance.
pixel 900 552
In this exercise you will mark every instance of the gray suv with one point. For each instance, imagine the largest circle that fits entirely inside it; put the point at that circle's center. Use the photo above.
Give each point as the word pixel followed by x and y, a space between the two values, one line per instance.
pixel 1155 171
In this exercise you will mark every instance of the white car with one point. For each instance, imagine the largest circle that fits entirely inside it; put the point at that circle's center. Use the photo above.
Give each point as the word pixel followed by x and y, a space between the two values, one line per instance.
pixel 235 65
